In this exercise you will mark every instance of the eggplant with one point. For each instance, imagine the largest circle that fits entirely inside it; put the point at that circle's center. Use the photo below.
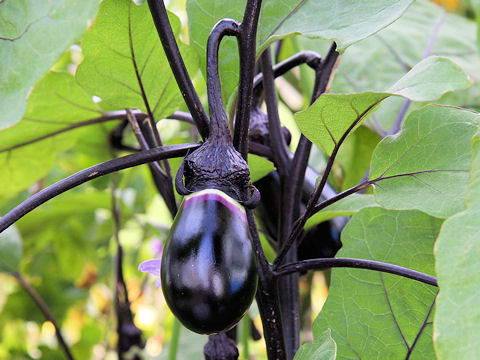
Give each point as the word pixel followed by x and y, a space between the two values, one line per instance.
pixel 208 271
pixel 319 241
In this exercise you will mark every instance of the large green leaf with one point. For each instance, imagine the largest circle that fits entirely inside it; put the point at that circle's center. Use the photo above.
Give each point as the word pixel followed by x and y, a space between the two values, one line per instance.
pixel 343 21
pixel 327 120
pixel 457 321
pixel 374 315
pixel 425 28
pixel 323 347
pixel 56 103
pixel 124 60
pixel 33 36
pixel 10 249
pixel 420 164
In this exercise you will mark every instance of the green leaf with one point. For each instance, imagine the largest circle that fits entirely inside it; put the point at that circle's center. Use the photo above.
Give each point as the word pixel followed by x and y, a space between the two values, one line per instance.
pixel 424 29
pixel 259 167
pixel 375 315
pixel 323 347
pixel 123 47
pixel 418 166
pixel 33 36
pixel 355 154
pixel 56 103
pixel 346 23
pixel 457 250
pixel 345 207
pixel 10 249
pixel 327 120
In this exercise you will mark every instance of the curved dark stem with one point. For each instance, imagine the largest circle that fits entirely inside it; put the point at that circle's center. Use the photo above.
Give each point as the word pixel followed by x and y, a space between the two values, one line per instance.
pixel 114 115
pixel 45 311
pixel 247 49
pixel 322 264
pixel 91 173
pixel 182 116
pixel 310 58
pixel 277 141
pixel 219 120
pixel 160 18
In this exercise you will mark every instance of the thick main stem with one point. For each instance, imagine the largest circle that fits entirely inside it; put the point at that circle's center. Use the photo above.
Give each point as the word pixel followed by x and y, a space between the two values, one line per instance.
pixel 219 120
pixel 247 49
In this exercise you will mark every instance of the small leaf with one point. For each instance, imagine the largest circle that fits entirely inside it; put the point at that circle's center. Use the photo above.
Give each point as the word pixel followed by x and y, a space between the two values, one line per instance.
pixel 323 347
pixel 327 120
pixel 33 36
pixel 345 207
pixel 418 166
pixel 375 315
pixel 10 249
pixel 259 167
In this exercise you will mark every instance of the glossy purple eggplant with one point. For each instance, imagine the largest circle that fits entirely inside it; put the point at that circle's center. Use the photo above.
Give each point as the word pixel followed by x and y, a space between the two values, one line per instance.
pixel 208 269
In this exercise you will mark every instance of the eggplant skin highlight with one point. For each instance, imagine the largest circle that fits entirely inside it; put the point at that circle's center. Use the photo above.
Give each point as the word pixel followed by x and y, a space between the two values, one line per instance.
pixel 208 270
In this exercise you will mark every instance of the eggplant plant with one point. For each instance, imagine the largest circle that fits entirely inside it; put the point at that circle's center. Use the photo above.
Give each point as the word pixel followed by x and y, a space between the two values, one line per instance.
pixel 291 149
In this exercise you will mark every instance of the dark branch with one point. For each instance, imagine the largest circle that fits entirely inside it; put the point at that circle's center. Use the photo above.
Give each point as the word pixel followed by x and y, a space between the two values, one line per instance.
pixel 182 116
pixel 218 116
pixel 114 115
pixel 310 58
pixel 277 141
pixel 160 18
pixel 90 174
pixel 322 264
pixel 45 311
pixel 247 50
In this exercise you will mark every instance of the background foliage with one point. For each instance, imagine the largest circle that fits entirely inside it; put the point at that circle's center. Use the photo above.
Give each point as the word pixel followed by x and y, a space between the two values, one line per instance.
pixel 65 63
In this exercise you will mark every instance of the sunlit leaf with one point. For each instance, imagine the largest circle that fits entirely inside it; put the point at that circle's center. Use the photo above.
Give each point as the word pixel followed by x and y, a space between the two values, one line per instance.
pixel 125 63
pixel 346 207
pixel 28 149
pixel 323 347
pixel 456 327
pixel 259 167
pixel 343 21
pixel 327 120
pixel 375 315
pixel 426 165
pixel 33 36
